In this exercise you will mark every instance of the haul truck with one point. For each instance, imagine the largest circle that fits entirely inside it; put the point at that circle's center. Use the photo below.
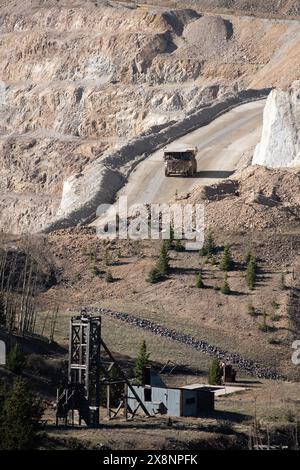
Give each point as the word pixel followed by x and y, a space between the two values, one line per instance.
pixel 180 162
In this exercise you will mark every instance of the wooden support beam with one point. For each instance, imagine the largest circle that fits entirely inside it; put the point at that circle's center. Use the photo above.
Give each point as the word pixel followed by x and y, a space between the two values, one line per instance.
pixel 108 401
pixel 141 404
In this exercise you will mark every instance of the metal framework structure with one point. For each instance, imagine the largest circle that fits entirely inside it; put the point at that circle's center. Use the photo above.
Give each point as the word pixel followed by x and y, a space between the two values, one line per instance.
pixel 86 367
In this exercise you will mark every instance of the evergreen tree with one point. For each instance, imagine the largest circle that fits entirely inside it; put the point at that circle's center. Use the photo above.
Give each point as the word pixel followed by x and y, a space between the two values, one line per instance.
pixel 199 281
pixel 154 275
pixel 227 260
pixel 178 246
pixel 209 247
pixel 282 282
pixel 163 261
pixel 248 257
pixel 225 289
pixel 215 373
pixel 109 277
pixel 251 272
pixel 169 242
pixel 251 310
pixel 141 361
pixel 21 414
pixel 264 326
pixel 2 311
pixel 15 360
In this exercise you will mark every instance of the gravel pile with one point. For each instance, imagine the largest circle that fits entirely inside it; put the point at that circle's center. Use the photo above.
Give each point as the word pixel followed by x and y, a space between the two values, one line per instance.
pixel 209 37
pixel 256 198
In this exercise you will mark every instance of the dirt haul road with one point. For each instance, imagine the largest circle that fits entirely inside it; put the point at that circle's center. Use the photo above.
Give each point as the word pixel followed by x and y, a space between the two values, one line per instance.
pixel 220 147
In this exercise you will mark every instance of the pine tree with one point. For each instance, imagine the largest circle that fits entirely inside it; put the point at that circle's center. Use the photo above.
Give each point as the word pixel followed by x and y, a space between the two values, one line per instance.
pixel 282 282
pixel 21 414
pixel 251 272
pixel 2 311
pixel 251 310
pixel 154 275
pixel 163 262
pixel 16 360
pixel 109 277
pixel 248 257
pixel 169 242
pixel 264 326
pixel 141 361
pixel 178 246
pixel 209 247
pixel 225 289
pixel 227 260
pixel 215 373
pixel 199 281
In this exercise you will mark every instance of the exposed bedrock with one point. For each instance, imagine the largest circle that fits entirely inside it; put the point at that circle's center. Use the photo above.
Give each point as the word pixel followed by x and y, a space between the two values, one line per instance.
pixel 280 142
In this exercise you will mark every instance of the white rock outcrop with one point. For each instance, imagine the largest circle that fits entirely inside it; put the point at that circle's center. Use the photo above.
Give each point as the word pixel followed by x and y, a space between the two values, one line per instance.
pixel 280 142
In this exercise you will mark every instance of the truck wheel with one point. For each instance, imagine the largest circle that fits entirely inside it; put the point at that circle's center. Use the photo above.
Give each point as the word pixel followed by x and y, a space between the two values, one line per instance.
pixel 166 173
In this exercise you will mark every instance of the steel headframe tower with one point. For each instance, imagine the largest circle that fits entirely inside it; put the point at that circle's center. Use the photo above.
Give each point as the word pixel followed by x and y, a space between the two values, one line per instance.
pixel 84 361
pixel 82 392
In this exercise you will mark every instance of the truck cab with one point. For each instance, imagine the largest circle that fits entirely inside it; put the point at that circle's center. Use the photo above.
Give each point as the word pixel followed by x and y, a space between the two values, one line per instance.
pixel 180 161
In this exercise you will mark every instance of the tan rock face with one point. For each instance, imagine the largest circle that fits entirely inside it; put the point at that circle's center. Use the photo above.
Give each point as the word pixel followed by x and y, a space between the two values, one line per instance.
pixel 78 80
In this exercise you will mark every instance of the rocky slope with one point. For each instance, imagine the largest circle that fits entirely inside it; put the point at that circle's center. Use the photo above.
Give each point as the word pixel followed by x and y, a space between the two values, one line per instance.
pixel 271 8
pixel 280 143
pixel 79 79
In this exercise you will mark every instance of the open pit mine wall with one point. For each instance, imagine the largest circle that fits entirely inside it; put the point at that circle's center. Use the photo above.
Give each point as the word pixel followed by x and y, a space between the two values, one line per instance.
pixel 84 193
pixel 280 143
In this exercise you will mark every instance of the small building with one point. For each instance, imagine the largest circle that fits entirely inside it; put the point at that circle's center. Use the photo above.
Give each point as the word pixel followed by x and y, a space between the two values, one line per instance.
pixel 172 401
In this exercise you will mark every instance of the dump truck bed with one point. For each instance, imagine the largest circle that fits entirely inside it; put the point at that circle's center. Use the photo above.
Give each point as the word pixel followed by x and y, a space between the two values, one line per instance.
pixel 180 161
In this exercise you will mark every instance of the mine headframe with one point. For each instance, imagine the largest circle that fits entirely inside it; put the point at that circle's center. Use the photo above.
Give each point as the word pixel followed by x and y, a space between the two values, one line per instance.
pixel 88 374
